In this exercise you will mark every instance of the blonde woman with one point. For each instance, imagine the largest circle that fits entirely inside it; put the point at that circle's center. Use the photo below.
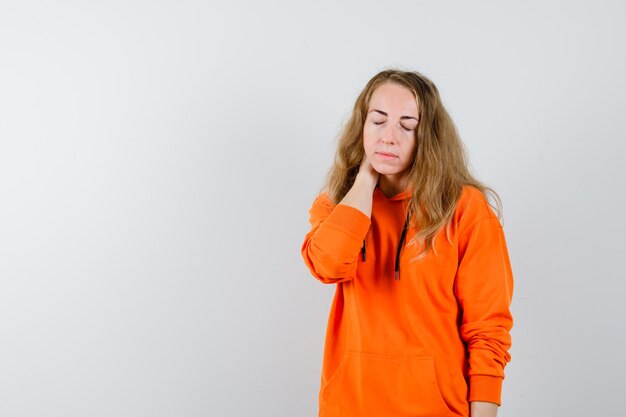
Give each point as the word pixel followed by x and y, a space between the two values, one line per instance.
pixel 420 320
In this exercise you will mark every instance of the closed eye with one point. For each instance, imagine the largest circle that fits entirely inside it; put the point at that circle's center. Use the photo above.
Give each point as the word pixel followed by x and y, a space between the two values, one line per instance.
pixel 408 129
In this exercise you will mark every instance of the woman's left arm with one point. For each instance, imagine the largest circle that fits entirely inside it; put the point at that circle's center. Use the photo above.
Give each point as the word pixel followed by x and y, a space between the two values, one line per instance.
pixel 484 287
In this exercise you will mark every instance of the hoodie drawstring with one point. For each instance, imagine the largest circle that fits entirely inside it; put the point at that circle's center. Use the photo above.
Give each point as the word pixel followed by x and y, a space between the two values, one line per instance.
pixel 398 250
pixel 402 237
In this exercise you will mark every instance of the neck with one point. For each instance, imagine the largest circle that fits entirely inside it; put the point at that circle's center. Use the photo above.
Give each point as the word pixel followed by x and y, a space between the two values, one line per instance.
pixel 391 185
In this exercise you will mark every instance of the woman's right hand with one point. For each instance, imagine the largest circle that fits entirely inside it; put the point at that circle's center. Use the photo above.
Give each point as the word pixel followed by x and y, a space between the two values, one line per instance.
pixel 367 173
pixel 361 193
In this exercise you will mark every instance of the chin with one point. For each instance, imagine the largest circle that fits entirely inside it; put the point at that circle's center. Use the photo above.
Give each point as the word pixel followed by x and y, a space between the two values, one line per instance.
pixel 385 170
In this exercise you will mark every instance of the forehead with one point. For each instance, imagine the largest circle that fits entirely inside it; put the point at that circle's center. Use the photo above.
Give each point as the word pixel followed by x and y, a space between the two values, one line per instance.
pixel 394 98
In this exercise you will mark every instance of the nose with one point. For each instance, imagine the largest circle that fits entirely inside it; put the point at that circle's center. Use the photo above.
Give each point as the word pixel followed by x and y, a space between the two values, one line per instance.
pixel 388 134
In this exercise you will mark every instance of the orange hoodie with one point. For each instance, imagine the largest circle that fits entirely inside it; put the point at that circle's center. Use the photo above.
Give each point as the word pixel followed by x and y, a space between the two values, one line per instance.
pixel 425 344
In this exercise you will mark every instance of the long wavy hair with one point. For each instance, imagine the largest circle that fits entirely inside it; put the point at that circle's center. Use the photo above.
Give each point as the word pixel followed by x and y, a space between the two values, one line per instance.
pixel 440 168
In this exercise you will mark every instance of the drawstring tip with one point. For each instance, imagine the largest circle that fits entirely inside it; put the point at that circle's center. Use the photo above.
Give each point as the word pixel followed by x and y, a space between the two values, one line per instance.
pixel 397 274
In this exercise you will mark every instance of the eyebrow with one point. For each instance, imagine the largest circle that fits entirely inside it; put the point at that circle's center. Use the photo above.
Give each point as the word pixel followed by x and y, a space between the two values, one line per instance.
pixel 385 114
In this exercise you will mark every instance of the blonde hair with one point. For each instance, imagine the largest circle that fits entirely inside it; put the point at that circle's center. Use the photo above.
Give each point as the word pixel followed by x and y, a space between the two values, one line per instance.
pixel 440 168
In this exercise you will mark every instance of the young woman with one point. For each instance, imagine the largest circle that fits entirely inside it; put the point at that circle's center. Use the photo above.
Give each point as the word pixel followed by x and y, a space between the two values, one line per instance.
pixel 420 320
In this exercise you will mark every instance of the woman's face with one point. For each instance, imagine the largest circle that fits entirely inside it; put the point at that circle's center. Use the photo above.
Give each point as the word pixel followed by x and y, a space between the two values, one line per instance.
pixel 389 133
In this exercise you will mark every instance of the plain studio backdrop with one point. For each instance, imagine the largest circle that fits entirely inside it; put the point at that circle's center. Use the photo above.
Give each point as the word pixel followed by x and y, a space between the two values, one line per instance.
pixel 158 160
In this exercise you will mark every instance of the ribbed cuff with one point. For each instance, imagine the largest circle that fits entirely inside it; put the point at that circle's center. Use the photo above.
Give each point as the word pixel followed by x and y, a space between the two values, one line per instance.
pixel 485 388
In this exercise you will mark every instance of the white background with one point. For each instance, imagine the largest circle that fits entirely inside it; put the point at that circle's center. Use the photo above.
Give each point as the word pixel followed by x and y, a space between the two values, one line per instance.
pixel 158 160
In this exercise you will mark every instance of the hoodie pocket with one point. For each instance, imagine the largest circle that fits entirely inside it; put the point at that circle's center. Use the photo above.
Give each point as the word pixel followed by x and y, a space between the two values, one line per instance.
pixel 369 384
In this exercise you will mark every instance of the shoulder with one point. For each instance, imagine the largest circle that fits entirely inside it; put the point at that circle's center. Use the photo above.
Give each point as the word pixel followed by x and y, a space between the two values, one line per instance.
pixel 472 207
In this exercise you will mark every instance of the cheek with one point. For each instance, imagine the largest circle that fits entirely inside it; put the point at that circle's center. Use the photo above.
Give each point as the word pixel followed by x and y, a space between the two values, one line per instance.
pixel 368 142
pixel 411 149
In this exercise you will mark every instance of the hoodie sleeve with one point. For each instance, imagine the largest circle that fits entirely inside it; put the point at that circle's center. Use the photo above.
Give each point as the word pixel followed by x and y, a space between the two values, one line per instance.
pixel 484 287
pixel 331 248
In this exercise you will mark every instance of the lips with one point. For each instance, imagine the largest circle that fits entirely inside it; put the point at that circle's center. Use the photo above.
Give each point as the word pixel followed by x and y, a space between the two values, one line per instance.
pixel 386 155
